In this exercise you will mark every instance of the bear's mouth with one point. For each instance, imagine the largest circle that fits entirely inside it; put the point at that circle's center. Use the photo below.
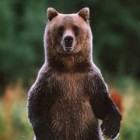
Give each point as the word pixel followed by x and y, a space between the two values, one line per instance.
pixel 68 49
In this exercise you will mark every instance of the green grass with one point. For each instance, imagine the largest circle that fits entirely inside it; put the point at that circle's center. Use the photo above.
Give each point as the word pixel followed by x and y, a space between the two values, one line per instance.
pixel 130 90
pixel 131 123
pixel 14 124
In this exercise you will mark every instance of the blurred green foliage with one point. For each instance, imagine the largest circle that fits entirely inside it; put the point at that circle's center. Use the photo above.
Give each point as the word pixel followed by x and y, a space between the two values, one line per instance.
pixel 115 25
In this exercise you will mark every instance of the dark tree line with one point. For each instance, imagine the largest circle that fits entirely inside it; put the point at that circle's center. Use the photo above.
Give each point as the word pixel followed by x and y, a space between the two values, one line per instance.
pixel 115 25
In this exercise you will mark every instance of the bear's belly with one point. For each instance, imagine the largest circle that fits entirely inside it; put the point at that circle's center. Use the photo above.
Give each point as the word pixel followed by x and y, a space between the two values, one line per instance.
pixel 71 119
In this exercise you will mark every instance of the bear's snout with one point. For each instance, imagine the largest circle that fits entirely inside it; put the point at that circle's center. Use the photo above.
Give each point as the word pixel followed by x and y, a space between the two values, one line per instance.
pixel 68 41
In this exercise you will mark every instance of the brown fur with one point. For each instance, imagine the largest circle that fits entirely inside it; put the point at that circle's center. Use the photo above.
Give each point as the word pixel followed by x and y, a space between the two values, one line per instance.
pixel 82 51
pixel 71 112
pixel 70 95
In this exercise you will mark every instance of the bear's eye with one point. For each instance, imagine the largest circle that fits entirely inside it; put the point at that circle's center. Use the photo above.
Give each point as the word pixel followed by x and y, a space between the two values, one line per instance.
pixel 76 29
pixel 61 30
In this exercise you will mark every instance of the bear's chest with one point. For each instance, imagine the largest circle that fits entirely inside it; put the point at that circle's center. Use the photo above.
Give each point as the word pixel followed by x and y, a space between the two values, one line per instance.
pixel 68 88
pixel 72 110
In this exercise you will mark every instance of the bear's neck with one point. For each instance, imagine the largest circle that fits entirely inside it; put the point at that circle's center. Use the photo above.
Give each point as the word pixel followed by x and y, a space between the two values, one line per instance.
pixel 70 63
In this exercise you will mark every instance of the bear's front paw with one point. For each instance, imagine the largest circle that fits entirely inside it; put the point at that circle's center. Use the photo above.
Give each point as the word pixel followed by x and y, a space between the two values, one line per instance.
pixel 110 127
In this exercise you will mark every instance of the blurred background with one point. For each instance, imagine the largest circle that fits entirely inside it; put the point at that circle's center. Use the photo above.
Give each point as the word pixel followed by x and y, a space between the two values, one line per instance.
pixel 116 28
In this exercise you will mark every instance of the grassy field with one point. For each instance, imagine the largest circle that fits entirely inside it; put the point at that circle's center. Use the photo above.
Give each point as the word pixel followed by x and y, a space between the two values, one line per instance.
pixel 14 124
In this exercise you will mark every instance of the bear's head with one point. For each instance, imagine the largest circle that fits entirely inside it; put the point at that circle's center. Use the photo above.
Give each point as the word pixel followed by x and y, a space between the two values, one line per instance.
pixel 67 34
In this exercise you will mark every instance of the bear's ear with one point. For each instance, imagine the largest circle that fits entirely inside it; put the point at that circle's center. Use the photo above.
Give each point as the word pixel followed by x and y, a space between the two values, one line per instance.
pixel 51 13
pixel 84 13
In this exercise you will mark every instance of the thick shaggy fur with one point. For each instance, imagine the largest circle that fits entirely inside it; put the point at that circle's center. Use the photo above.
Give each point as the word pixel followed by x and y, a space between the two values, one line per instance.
pixel 69 94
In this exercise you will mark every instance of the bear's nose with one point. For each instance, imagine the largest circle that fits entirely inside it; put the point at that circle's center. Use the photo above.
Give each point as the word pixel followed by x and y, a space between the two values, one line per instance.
pixel 68 41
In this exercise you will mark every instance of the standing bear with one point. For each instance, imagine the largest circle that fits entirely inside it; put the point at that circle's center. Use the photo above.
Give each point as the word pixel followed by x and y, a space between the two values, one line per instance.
pixel 69 94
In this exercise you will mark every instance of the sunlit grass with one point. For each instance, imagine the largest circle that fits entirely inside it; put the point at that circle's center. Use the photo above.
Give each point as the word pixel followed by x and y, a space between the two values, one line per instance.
pixel 14 124
pixel 131 122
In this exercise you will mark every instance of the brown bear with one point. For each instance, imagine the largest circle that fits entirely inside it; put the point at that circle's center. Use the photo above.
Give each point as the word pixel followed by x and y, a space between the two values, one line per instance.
pixel 69 95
